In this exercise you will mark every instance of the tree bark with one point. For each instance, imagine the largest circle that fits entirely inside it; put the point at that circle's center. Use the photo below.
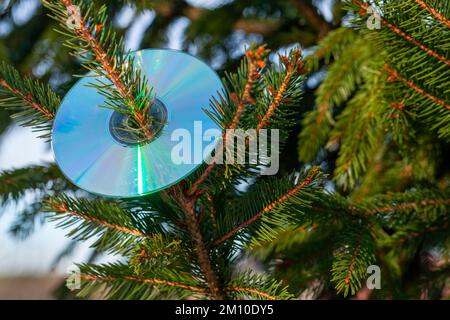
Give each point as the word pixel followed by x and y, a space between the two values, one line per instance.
pixel 187 203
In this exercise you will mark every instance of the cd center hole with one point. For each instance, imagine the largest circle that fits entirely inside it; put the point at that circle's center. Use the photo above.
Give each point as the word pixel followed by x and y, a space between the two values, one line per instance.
pixel 125 130
pixel 131 124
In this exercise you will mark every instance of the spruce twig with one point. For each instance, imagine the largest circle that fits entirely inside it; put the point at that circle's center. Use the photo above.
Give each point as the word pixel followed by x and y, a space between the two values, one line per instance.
pixel 293 65
pixel 394 75
pixel 188 205
pixel 32 103
pixel 62 208
pixel 129 92
pixel 146 281
pixel 434 12
pixel 256 61
pixel 28 99
pixel 407 36
pixel 307 181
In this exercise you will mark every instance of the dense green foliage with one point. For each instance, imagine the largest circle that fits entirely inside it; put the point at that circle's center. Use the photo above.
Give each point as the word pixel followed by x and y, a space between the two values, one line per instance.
pixel 373 188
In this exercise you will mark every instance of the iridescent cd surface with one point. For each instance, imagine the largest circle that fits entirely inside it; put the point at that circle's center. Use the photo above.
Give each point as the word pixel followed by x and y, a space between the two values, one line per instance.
pixel 95 161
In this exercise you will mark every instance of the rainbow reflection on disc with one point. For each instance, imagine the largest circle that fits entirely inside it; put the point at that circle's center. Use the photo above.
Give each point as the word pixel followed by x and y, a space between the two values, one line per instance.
pixel 98 161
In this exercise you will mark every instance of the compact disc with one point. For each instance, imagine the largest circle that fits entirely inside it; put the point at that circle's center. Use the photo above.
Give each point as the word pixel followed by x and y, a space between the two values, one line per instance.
pixel 100 159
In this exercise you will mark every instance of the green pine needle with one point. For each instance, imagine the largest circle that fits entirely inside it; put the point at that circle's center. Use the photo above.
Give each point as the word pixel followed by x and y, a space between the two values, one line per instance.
pixel 32 103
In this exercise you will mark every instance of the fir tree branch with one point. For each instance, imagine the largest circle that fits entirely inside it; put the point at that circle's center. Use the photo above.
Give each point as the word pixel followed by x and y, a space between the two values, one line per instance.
pixel 147 281
pixel 351 56
pixel 125 80
pixel 250 284
pixel 63 208
pixel 255 59
pixel 359 133
pixel 421 203
pixel 307 181
pixel 322 110
pixel 28 99
pixel 188 205
pixel 407 36
pixel 178 285
pixel 394 75
pixel 33 104
pixel 286 240
pixel 354 253
pixel 395 203
pixel 251 291
pixel 212 210
pixel 15 183
pixel 294 66
pixel 134 280
pixel 117 229
pixel 203 255
pixel 417 234
pixel 100 53
pixel 434 12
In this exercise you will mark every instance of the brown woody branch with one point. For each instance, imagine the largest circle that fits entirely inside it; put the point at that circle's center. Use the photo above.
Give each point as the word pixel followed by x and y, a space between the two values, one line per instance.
pixel 423 232
pixel 434 12
pixel 407 36
pixel 212 211
pixel 188 205
pixel 351 266
pixel 255 63
pixel 251 291
pixel 394 75
pixel 110 69
pixel 307 181
pixel 188 199
pixel 28 99
pixel 293 66
pixel 62 208
pixel 147 281
pixel 178 285
pixel 409 205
